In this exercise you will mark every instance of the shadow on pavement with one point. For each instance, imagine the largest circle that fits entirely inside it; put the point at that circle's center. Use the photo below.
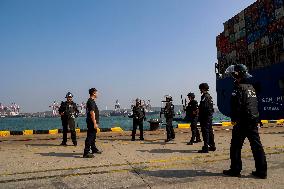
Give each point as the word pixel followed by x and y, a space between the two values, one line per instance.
pixel 168 151
pixel 73 155
pixel 180 173
pixel 43 144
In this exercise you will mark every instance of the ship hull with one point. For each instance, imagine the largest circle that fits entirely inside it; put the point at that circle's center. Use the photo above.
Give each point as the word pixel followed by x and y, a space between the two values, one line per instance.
pixel 269 82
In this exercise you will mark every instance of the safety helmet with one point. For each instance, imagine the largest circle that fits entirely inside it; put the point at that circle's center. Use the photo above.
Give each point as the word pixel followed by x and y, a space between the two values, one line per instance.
pixel 169 98
pixel 69 94
pixel 204 86
pixel 238 71
pixel 192 95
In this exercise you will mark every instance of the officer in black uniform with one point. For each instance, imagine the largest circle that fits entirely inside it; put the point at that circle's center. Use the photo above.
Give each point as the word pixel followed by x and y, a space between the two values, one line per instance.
pixel 68 111
pixel 92 125
pixel 245 117
pixel 169 115
pixel 191 116
pixel 138 116
pixel 205 117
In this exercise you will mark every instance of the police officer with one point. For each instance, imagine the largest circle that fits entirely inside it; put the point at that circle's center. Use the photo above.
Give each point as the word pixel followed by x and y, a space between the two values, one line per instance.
pixel 169 114
pixel 92 124
pixel 245 116
pixel 191 116
pixel 138 116
pixel 205 117
pixel 68 111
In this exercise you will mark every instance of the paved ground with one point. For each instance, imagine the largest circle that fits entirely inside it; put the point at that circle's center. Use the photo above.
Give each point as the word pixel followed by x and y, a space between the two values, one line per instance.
pixel 38 161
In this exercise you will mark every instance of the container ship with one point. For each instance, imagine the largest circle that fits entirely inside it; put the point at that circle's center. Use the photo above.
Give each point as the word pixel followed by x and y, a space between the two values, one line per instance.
pixel 254 37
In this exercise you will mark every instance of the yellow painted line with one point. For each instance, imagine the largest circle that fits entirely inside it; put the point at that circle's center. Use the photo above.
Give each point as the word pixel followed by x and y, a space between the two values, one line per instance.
pixel 184 126
pixel 53 131
pixel 4 133
pixel 116 129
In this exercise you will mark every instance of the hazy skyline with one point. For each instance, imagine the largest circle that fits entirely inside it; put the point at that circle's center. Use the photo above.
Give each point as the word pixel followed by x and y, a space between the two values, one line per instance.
pixel 124 48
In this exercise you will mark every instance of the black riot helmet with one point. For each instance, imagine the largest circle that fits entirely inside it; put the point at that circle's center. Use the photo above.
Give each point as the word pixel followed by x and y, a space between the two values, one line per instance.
pixel 69 94
pixel 192 95
pixel 238 71
pixel 169 98
pixel 204 86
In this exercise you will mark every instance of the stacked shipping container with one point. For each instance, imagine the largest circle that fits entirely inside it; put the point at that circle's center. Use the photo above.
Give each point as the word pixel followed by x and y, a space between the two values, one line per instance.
pixel 253 37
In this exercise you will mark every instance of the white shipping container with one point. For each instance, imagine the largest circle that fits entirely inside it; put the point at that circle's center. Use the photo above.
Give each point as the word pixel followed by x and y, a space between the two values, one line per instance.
pixel 227 33
pixel 265 41
pixel 242 15
pixel 219 54
pixel 237 35
pixel 242 24
pixel 251 47
pixel 279 13
pixel 236 28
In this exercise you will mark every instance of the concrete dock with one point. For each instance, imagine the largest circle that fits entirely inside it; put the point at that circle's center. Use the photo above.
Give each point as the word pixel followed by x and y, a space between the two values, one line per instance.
pixel 37 161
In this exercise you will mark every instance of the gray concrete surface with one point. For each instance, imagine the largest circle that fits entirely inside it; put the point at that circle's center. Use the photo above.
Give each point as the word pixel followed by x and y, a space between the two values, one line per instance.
pixel 37 161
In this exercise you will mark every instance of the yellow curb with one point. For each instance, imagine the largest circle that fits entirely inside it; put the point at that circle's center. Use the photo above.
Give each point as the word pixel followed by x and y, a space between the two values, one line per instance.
pixel 264 121
pixel 116 129
pixel 280 121
pixel 227 124
pixel 184 126
pixel 4 133
pixel 53 132
pixel 77 130
pixel 28 132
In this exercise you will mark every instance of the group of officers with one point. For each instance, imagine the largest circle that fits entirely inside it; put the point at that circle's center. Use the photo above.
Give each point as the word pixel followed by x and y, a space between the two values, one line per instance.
pixel 244 116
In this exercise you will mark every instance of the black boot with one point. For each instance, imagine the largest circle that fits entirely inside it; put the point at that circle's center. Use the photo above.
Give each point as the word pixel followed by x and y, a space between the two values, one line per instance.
pixel 259 175
pixel 232 173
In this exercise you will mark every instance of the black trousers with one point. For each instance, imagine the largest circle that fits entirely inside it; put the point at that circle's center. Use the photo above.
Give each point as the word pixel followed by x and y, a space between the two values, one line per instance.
pixel 90 142
pixel 240 132
pixel 137 123
pixel 170 129
pixel 207 132
pixel 194 130
pixel 71 124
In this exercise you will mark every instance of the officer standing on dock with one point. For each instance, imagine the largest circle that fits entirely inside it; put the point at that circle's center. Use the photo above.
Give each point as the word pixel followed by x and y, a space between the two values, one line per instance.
pixel 205 117
pixel 245 117
pixel 169 115
pixel 191 111
pixel 138 116
pixel 92 124
pixel 68 111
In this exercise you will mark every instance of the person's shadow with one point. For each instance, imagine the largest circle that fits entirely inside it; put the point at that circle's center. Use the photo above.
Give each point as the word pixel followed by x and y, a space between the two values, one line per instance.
pixel 166 151
pixel 73 155
pixel 43 144
pixel 179 173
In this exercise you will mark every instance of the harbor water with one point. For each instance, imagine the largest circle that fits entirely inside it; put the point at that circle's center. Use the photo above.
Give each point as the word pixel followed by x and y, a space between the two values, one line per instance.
pixel 35 123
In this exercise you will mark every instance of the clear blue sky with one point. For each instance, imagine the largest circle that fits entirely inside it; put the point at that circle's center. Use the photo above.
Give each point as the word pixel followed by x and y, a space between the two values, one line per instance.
pixel 124 48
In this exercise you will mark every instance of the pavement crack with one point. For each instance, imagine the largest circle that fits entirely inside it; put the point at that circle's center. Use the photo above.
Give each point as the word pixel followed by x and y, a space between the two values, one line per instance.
pixel 134 169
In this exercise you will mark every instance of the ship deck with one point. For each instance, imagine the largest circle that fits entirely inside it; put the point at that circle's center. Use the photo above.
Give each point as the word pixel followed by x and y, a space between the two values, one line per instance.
pixel 37 161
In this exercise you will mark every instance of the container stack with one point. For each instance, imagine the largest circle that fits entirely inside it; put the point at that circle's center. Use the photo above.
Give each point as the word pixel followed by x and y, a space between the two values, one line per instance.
pixel 252 35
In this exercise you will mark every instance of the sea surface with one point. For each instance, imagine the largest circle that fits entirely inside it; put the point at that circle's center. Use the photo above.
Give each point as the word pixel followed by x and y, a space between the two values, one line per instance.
pixel 34 123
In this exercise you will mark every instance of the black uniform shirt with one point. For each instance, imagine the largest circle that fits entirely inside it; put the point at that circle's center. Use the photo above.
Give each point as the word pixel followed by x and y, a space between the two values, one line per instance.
pixel 206 105
pixel 191 109
pixel 138 113
pixel 169 110
pixel 244 105
pixel 92 106
pixel 69 109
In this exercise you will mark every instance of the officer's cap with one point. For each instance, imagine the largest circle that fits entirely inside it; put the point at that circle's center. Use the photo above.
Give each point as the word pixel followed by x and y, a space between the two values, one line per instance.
pixel 69 94
pixel 204 86
pixel 192 95
pixel 92 90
